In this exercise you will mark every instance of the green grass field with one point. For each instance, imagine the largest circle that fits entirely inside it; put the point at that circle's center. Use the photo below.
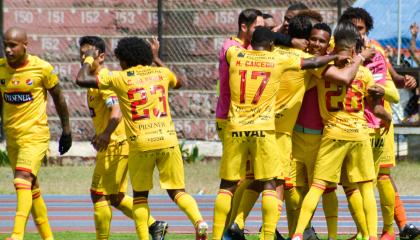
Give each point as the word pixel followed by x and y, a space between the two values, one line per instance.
pixel 200 177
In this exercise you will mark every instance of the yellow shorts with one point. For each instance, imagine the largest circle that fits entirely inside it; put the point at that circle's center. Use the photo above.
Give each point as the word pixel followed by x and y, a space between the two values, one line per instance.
pixel 110 174
pixel 356 155
pixel 259 146
pixel 27 156
pixel 169 163
pixel 284 147
pixel 380 149
pixel 305 149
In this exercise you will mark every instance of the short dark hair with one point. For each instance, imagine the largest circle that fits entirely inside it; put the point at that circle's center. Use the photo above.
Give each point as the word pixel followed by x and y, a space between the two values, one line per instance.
pixel 358 13
pixel 311 14
pixel 248 16
pixel 95 41
pixel 346 35
pixel 297 6
pixel 134 51
pixel 322 26
pixel 266 16
pixel 262 36
pixel 300 27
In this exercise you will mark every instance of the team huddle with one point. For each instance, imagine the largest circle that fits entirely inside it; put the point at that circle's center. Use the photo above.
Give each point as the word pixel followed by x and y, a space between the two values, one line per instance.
pixel 300 110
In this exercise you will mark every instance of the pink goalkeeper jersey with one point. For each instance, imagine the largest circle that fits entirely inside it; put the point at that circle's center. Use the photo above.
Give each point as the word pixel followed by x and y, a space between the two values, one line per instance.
pixel 223 103
pixel 378 68
pixel 309 116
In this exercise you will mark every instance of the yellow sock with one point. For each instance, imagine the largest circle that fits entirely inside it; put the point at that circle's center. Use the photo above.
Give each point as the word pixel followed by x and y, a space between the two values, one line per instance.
pixel 222 206
pixel 330 206
pixel 369 206
pixel 269 208
pixel 23 207
pixel 293 200
pixel 308 206
pixel 355 200
pixel 126 206
pixel 189 206
pixel 237 197
pixel 102 215
pixel 141 213
pixel 40 216
pixel 248 201
pixel 387 198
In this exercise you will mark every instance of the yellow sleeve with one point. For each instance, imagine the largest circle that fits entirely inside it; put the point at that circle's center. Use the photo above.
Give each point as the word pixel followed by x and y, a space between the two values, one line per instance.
pixel 319 72
pixel 50 79
pixel 172 78
pixel 105 80
pixel 230 53
pixel 391 92
pixel 368 78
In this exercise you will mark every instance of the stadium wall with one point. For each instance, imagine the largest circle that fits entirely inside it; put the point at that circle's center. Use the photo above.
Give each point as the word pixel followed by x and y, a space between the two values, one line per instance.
pixel 193 31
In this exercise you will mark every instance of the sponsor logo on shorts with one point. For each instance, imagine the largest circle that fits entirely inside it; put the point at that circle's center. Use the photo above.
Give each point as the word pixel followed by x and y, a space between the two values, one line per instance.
pixel 18 97
pixel 248 134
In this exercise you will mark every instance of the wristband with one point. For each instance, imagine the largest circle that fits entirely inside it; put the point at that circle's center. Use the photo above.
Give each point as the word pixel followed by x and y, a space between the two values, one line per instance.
pixel 89 60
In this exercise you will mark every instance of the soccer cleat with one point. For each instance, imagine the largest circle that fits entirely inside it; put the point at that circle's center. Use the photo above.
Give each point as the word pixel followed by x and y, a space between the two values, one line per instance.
pixel 387 236
pixel 357 236
pixel 310 234
pixel 201 231
pixel 234 232
pixel 297 237
pixel 158 230
pixel 409 232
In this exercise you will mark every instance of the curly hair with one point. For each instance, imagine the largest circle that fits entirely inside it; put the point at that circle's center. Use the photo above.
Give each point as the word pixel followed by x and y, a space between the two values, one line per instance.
pixel 300 27
pixel 358 13
pixel 134 51
pixel 297 6
pixel 95 41
pixel 311 14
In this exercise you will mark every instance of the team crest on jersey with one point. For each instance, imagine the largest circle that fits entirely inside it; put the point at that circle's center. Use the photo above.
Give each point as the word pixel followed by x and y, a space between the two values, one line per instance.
pixel 15 82
pixel 29 82
pixel 18 97
pixel 3 81
pixel 130 73
pixel 241 55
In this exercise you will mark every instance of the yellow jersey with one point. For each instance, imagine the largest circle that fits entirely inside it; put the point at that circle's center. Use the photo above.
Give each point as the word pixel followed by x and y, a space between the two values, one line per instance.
pixel 99 103
pixel 342 107
pixel 143 98
pixel 24 93
pixel 293 85
pixel 254 79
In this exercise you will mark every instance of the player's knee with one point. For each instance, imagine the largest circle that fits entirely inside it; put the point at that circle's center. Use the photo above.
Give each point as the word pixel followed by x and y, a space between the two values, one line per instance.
pixel 95 197
pixel 330 189
pixel 116 199
pixel 383 177
pixel 173 192
pixel 269 184
pixel 256 186
pixel 25 176
pixel 228 185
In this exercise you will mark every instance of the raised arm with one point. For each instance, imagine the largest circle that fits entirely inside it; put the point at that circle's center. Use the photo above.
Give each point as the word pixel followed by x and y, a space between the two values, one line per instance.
pixel 316 62
pixel 84 77
pixel 63 113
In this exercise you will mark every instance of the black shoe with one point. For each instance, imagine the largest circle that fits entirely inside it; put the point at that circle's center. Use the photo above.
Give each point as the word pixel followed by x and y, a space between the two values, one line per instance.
pixel 235 233
pixel 409 232
pixel 158 230
pixel 310 234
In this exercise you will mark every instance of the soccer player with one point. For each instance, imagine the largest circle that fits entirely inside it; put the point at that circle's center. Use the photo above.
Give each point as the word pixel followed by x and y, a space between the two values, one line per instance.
pixel 24 82
pixel 142 92
pixel 109 180
pixel 345 134
pixel 383 146
pixel 291 11
pixel 269 21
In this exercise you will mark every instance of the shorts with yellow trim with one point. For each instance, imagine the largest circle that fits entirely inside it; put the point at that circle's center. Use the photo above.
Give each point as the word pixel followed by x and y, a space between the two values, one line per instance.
pixel 284 147
pixel 168 162
pixel 356 155
pixel 305 149
pixel 259 146
pixel 380 149
pixel 110 174
pixel 27 156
